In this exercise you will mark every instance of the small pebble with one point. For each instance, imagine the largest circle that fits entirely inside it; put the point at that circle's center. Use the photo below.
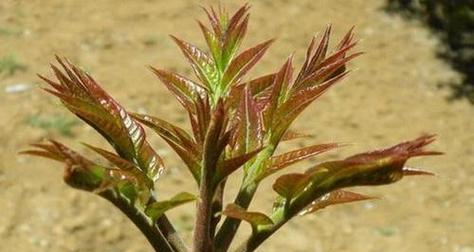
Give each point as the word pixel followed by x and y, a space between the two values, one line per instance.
pixel 17 88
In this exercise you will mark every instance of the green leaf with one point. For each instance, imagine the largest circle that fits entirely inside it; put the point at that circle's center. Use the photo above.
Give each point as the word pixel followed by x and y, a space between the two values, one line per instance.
pixel 212 41
pixel 333 198
pixel 157 209
pixel 234 34
pixel 202 64
pixel 254 218
pixel 289 185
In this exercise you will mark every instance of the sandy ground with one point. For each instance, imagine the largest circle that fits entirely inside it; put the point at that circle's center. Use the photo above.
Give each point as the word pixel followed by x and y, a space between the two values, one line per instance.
pixel 396 93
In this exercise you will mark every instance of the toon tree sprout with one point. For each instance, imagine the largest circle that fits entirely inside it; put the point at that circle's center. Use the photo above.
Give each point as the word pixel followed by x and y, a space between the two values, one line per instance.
pixel 237 123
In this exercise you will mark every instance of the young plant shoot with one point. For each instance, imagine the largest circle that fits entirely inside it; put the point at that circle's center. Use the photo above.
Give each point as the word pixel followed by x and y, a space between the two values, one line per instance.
pixel 237 123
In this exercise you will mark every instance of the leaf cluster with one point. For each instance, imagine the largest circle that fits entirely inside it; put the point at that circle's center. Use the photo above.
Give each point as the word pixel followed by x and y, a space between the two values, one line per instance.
pixel 237 122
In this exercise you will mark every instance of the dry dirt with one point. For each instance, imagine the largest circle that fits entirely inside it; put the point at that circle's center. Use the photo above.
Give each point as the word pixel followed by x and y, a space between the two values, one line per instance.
pixel 396 94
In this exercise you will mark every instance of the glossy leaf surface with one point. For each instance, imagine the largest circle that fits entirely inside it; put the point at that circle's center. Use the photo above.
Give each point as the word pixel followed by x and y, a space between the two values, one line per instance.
pixel 254 218
pixel 333 198
pixel 157 209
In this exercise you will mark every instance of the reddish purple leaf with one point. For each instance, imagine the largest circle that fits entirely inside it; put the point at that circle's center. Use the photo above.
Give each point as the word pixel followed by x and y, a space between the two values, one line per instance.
pixel 279 90
pixel 374 168
pixel 325 72
pixel 244 62
pixel 112 158
pixel 408 171
pixel 178 139
pixel 186 91
pixel 248 132
pixel 257 87
pixel 279 162
pixel 216 139
pixel 291 135
pixel 85 98
pixel 297 102
pixel 227 167
pixel 333 198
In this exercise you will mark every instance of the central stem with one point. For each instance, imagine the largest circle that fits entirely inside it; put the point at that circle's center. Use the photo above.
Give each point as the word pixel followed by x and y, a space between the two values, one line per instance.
pixel 212 148
pixel 202 231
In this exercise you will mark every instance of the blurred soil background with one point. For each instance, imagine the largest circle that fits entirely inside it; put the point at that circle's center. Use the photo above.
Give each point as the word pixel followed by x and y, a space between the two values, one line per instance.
pixel 401 88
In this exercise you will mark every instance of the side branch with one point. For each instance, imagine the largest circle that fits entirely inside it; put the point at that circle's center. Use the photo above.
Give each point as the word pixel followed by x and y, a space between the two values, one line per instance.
pixel 152 233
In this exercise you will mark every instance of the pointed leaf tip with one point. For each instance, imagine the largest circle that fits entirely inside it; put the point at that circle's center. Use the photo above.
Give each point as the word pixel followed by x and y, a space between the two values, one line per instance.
pixel 334 198
pixel 409 171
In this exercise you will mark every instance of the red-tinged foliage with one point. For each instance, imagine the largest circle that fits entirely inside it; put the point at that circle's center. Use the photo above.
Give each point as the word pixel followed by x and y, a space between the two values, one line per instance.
pixel 289 185
pixel 334 198
pixel 157 209
pixel 257 88
pixel 376 167
pixel 254 218
pixel 178 139
pixel 300 100
pixel 203 65
pixel 244 62
pixel 185 90
pixel 84 97
pixel 278 92
pixel 126 168
pixel 276 163
pixel 237 122
pixel 291 135
pixel 80 172
pixel 226 167
pixel 248 129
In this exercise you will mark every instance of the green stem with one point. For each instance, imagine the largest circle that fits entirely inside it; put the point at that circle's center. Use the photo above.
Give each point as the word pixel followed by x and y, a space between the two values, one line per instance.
pixel 170 234
pixel 229 228
pixel 202 229
pixel 212 149
pixel 152 232
pixel 282 216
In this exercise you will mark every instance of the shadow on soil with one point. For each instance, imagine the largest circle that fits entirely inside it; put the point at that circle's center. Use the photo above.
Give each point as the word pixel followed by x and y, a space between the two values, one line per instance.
pixel 453 22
